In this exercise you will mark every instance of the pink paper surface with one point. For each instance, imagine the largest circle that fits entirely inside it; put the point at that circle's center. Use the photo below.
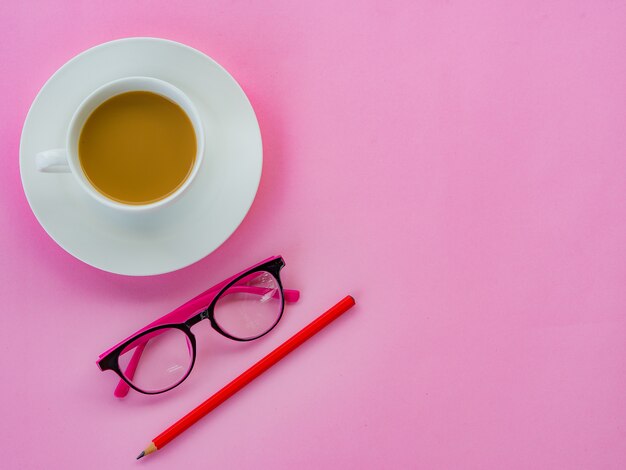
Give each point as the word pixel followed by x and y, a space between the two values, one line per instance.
pixel 458 167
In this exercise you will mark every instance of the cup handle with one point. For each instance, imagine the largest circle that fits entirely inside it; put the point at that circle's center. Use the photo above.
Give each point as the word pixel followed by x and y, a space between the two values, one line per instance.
pixel 52 161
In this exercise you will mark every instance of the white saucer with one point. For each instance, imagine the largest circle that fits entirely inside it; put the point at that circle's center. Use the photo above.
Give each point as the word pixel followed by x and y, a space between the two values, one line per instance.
pixel 175 236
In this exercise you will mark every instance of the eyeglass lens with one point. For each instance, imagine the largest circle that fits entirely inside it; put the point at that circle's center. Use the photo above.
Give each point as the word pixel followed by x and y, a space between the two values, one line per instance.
pixel 250 307
pixel 157 360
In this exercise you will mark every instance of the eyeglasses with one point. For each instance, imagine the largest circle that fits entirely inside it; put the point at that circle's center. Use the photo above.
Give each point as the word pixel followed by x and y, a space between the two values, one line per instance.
pixel 160 356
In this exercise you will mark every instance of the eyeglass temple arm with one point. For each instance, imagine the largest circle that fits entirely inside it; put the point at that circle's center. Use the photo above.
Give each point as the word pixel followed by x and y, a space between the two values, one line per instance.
pixel 122 387
pixel 291 295
pixel 182 314
pixel 192 307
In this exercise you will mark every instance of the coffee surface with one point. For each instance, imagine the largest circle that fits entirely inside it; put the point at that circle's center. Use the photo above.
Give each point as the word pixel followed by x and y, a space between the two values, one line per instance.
pixel 137 147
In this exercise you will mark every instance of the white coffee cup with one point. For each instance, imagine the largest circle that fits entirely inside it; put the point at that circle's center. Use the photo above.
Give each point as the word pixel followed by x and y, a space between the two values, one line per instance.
pixel 66 160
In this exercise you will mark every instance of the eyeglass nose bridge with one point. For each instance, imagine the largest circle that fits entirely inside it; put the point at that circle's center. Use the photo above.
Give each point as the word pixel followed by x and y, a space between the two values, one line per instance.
pixel 198 317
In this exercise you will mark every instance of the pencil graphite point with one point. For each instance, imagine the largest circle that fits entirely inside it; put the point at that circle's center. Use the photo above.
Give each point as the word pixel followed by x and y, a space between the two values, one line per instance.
pixel 147 451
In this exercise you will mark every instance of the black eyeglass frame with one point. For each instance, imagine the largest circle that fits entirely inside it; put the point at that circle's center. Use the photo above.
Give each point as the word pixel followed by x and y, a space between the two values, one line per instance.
pixel 111 360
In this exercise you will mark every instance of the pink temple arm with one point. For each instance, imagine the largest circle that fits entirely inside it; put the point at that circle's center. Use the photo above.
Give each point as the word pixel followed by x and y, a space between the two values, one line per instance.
pixel 123 388
pixel 199 302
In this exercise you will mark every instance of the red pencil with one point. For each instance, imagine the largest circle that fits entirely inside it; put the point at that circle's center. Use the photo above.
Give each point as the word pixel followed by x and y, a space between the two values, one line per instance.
pixel 253 372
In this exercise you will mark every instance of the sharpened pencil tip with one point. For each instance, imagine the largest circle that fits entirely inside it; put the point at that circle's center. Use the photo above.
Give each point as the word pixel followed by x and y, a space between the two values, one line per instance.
pixel 147 451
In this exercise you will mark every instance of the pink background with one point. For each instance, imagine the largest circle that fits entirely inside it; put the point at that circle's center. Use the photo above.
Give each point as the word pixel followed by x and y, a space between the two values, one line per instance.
pixel 456 166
